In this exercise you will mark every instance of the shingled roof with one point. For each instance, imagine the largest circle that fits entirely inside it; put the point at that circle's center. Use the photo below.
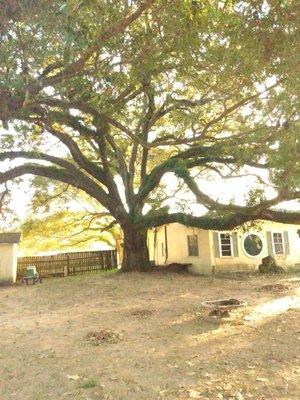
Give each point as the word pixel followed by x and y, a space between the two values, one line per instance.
pixel 10 237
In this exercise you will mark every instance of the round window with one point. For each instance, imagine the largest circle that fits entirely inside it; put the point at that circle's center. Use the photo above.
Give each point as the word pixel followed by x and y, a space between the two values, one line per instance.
pixel 253 245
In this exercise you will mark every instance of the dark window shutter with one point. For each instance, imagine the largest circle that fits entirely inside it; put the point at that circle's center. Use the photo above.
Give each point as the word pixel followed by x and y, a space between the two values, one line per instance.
pixel 235 244
pixel 286 243
pixel 216 244
pixel 269 244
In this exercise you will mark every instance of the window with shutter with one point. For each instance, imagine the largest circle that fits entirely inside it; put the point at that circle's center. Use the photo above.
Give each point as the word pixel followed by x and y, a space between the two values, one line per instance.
pixel 278 245
pixel 225 244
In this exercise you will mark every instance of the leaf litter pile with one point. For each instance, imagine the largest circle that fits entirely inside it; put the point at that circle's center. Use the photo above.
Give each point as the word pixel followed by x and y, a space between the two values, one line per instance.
pixel 275 287
pixel 103 336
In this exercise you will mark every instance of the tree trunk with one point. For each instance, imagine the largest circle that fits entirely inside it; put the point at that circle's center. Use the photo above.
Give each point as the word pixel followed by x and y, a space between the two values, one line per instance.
pixel 136 255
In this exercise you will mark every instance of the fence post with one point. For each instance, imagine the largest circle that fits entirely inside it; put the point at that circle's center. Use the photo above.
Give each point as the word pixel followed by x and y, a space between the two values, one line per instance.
pixel 68 264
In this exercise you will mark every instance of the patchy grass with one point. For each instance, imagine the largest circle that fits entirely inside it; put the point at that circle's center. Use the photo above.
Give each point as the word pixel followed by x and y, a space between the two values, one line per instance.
pixel 88 383
pixel 170 348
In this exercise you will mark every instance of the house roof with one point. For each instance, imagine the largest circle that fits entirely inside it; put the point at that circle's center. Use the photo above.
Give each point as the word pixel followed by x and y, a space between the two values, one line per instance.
pixel 10 237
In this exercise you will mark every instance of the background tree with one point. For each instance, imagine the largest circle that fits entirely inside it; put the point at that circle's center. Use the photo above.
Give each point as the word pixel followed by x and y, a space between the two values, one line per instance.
pixel 109 97
pixel 83 223
pixel 64 230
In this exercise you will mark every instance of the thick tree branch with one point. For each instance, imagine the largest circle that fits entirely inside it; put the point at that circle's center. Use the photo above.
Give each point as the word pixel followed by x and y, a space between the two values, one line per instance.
pixel 122 166
pixel 78 180
pixel 87 109
pixel 211 204
pixel 3 195
pixel 227 111
pixel 182 171
pixel 227 222
pixel 33 155
pixel 146 128
pixel 90 167
pixel 111 185
pixel 172 105
pixel 197 156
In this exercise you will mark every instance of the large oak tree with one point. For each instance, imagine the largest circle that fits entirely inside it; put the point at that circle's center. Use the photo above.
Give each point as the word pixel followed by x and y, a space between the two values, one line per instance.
pixel 110 96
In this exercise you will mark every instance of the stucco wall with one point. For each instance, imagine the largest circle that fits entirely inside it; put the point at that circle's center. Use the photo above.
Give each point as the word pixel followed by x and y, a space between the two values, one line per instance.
pixel 178 248
pixel 8 263
pixel 246 263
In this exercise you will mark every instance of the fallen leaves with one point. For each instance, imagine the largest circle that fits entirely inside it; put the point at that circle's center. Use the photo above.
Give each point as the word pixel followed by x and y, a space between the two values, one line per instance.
pixel 223 363
pixel 103 336
pixel 275 287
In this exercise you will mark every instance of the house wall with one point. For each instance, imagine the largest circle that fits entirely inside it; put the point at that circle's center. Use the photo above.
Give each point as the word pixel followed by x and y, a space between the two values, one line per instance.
pixel 246 263
pixel 177 251
pixel 8 263
pixel 178 248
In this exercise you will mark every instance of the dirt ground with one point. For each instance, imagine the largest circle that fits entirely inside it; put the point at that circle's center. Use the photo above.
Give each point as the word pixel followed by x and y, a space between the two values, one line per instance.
pixel 146 337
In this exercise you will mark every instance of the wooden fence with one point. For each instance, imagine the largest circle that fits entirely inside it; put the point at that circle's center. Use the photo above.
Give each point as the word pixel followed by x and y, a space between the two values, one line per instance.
pixel 64 264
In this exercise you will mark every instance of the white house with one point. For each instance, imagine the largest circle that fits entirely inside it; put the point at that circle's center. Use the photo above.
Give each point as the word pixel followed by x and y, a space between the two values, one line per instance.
pixel 229 251
pixel 8 257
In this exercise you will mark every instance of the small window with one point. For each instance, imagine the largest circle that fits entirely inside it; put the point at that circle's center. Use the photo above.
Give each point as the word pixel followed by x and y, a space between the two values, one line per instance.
pixel 225 245
pixel 278 243
pixel 193 245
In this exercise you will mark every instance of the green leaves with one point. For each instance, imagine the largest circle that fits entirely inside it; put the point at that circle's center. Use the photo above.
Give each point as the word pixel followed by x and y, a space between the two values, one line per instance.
pixel 140 89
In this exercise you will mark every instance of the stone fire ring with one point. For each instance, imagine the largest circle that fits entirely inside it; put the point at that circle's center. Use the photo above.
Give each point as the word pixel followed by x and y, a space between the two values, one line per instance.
pixel 224 305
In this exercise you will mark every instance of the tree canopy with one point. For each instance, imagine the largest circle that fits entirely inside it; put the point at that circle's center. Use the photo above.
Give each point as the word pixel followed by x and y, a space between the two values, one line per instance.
pixel 82 223
pixel 109 97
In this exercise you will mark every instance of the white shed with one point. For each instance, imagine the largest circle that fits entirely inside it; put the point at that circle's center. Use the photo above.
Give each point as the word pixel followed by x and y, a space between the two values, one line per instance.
pixel 8 256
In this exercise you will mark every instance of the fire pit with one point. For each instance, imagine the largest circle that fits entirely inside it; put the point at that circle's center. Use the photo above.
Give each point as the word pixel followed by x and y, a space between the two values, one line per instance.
pixel 222 308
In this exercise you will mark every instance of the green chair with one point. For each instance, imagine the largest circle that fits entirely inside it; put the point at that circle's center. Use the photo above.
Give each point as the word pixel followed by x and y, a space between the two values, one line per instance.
pixel 31 275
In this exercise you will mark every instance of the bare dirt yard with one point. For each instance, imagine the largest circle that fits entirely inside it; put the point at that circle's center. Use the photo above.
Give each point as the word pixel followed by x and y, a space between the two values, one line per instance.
pixel 146 337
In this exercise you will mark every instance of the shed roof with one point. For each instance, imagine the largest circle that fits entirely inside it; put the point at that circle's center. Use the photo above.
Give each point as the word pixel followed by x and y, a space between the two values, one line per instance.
pixel 10 237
